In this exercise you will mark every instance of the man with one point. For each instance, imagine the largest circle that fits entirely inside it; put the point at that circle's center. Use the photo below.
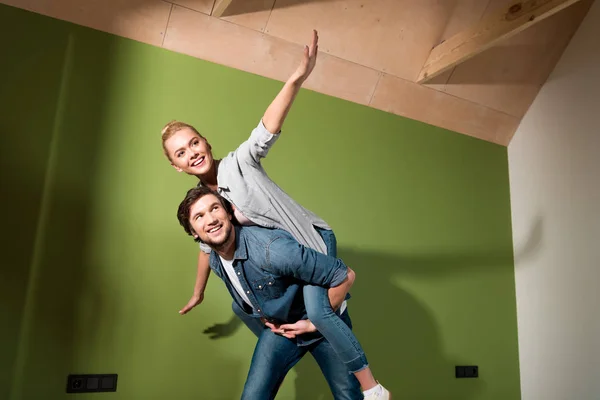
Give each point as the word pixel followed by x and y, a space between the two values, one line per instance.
pixel 264 270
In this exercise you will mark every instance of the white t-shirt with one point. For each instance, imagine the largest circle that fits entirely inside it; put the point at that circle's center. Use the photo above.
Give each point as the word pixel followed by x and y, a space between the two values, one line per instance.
pixel 235 281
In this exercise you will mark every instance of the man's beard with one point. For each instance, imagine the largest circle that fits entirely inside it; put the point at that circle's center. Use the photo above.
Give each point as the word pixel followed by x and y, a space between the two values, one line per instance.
pixel 221 244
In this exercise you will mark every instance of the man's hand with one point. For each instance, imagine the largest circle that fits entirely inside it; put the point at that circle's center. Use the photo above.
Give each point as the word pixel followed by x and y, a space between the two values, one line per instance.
pixel 290 331
pixel 194 301
pixel 309 59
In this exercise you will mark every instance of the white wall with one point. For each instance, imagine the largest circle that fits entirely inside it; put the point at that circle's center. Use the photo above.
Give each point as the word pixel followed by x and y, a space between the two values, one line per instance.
pixel 554 162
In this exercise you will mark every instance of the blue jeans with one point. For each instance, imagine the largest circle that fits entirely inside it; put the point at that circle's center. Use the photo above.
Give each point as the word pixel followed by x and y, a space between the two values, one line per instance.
pixel 275 355
pixel 328 323
pixel 254 324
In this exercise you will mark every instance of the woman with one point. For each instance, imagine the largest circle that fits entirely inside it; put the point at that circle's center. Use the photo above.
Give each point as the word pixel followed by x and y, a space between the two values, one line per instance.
pixel 189 152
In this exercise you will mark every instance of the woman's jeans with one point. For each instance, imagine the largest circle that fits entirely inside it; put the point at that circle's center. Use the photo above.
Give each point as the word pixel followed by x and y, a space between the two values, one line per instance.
pixel 329 323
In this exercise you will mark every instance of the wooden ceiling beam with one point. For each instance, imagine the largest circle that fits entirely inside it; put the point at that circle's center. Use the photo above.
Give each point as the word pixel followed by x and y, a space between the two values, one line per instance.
pixel 220 7
pixel 498 26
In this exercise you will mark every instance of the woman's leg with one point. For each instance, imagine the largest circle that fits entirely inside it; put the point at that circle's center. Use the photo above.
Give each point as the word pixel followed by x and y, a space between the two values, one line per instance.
pixel 330 325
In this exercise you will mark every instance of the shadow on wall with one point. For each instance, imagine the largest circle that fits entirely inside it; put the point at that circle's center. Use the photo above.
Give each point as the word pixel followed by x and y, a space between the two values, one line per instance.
pixel 533 244
pixel 50 194
pixel 405 351
pixel 27 110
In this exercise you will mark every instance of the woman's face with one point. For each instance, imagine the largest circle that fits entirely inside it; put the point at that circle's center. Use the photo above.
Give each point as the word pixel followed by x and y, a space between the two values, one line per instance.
pixel 189 152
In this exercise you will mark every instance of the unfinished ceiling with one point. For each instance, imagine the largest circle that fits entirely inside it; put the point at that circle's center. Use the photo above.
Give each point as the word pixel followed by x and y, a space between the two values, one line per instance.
pixel 372 52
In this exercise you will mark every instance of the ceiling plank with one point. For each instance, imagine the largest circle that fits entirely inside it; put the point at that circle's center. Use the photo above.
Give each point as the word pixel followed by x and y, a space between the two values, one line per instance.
pixel 220 7
pixel 506 22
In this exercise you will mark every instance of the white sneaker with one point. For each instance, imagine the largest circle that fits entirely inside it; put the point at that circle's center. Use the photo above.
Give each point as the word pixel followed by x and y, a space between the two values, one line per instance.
pixel 382 394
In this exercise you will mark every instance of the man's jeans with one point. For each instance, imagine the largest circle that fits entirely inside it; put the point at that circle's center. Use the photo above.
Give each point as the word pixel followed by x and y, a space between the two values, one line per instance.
pixel 275 355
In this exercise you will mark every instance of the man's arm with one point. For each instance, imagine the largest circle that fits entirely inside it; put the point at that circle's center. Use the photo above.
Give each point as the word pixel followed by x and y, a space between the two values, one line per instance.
pixel 279 108
pixel 287 257
pixel 337 294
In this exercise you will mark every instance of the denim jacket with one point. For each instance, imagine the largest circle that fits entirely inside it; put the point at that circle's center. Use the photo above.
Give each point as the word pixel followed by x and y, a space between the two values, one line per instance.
pixel 272 267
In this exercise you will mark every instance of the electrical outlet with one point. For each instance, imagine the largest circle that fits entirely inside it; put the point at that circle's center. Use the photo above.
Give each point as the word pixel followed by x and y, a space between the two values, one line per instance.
pixel 86 383
pixel 466 371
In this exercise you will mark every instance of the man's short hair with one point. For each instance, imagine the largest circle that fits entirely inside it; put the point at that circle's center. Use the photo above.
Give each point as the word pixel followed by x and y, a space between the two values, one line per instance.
pixel 191 197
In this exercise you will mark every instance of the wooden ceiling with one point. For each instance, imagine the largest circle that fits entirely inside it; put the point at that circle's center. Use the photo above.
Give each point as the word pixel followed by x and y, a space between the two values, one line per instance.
pixel 471 66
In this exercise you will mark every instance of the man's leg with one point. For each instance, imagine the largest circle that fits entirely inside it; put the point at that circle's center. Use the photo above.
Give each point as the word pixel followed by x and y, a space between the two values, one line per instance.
pixel 273 357
pixel 343 385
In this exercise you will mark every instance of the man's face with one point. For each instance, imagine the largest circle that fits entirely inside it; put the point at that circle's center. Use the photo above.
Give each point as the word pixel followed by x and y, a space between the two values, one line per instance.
pixel 189 152
pixel 210 221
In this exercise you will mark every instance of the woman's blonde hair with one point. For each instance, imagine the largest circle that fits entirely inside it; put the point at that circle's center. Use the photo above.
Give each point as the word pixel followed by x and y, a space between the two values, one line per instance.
pixel 172 128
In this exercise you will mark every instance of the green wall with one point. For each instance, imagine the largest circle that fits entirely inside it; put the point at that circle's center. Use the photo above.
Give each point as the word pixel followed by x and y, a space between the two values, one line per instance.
pixel 95 265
